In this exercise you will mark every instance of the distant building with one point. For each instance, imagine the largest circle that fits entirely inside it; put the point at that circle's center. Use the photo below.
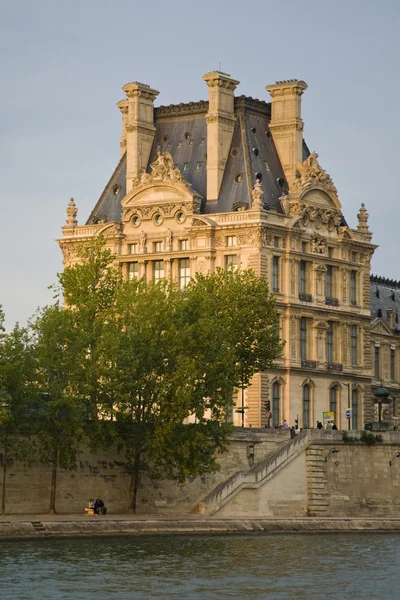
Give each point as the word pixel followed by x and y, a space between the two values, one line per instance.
pixel 230 181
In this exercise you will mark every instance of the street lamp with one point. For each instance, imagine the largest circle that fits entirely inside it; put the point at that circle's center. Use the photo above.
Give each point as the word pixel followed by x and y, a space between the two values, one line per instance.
pixel 331 451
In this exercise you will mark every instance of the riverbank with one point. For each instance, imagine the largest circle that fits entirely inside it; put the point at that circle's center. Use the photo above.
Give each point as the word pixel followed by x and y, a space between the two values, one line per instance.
pixel 15 527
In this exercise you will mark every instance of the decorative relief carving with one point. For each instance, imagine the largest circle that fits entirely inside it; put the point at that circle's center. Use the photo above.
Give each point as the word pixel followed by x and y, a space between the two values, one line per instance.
pixel 328 216
pixel 293 336
pixel 345 344
pixel 310 174
pixel 293 275
pixel 365 257
pixel 318 244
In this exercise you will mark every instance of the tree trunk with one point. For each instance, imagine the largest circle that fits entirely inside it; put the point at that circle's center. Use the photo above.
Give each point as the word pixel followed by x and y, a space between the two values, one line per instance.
pixel 53 488
pixel 135 481
pixel 3 492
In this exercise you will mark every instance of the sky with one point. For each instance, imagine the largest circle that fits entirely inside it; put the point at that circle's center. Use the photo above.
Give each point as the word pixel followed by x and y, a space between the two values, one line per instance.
pixel 63 64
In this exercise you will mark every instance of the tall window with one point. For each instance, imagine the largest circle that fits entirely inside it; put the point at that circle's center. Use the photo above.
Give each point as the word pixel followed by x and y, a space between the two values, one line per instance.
pixel 231 241
pixel 158 270
pixel 303 338
pixel 377 361
pixel 276 397
pixel 333 393
pixel 183 244
pixel 354 409
pixel 158 246
pixel 329 342
pixel 133 270
pixel 275 274
pixel 184 272
pixel 353 287
pixel 133 248
pixel 392 364
pixel 329 282
pixel 306 406
pixel 303 277
pixel 231 261
pixel 354 344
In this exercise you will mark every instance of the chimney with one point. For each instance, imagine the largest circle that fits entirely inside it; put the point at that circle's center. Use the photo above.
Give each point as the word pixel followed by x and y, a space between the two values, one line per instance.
pixel 220 126
pixel 286 124
pixel 139 128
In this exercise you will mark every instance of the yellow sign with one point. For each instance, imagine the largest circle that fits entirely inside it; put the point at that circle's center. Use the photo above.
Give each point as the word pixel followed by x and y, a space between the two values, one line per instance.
pixel 328 417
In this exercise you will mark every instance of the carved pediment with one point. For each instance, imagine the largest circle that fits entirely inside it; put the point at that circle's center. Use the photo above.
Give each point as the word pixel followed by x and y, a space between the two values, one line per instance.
pixel 379 326
pixel 311 176
pixel 163 190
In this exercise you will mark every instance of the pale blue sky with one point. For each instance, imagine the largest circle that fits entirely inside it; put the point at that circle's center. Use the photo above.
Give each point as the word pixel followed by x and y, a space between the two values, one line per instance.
pixel 63 63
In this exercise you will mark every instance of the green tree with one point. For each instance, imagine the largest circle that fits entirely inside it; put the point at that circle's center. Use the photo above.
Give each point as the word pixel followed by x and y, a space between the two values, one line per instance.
pixel 59 416
pixel 17 373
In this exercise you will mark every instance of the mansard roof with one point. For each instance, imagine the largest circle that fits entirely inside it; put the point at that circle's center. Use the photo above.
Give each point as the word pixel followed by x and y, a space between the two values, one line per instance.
pixel 181 129
pixel 385 295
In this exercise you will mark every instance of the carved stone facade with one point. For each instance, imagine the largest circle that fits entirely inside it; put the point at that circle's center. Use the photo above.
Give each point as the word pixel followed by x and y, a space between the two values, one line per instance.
pixel 167 219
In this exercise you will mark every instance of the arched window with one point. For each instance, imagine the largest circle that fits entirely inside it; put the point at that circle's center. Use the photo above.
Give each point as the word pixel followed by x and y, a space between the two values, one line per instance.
pixel 276 397
pixel 306 406
pixel 333 394
pixel 354 409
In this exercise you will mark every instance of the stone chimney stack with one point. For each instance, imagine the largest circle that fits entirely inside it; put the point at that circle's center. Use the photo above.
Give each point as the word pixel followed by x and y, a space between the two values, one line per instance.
pixel 220 126
pixel 139 128
pixel 286 124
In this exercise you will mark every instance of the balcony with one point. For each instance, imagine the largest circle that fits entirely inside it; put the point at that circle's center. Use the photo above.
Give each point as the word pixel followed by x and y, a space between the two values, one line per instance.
pixel 308 364
pixel 332 301
pixel 334 366
pixel 305 297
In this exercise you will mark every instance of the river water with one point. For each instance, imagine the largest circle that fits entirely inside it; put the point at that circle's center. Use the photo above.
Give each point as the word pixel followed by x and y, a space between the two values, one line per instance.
pixel 275 567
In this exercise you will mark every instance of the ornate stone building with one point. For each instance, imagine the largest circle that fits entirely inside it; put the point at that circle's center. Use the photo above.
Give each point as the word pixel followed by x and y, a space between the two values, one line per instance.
pixel 230 181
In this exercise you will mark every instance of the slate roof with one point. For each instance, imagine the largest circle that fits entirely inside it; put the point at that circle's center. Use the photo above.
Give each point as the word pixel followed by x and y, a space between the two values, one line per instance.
pixel 181 129
pixel 385 294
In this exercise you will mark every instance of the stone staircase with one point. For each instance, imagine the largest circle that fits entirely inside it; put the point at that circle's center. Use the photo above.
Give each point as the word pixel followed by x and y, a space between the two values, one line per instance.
pixel 256 477
pixel 317 492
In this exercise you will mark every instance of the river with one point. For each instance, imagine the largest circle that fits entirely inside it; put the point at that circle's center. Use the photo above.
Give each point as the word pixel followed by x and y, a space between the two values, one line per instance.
pixel 275 567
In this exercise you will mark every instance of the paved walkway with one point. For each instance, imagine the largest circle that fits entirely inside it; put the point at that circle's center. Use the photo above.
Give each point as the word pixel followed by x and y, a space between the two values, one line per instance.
pixel 51 526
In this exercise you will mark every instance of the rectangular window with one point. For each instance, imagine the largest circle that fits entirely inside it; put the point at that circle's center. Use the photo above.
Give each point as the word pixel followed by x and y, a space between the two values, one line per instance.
pixel 329 342
pixel 303 277
pixel 392 364
pixel 133 270
pixel 186 166
pixel 184 272
pixel 303 338
pixel 354 257
pixel 276 242
pixel 304 247
pixel 329 282
pixel 275 274
pixel 199 165
pixel 231 241
pixel 158 246
pixel 231 261
pixel 330 251
pixel 133 248
pixel 158 270
pixel 377 361
pixel 183 244
pixel 353 287
pixel 354 344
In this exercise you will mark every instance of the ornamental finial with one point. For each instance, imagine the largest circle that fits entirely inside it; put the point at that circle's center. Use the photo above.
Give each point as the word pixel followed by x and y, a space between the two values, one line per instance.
pixel 72 212
pixel 257 195
pixel 363 220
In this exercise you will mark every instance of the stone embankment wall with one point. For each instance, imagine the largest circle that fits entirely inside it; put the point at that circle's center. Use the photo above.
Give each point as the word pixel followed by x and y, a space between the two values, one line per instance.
pixel 296 479
pixel 103 476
